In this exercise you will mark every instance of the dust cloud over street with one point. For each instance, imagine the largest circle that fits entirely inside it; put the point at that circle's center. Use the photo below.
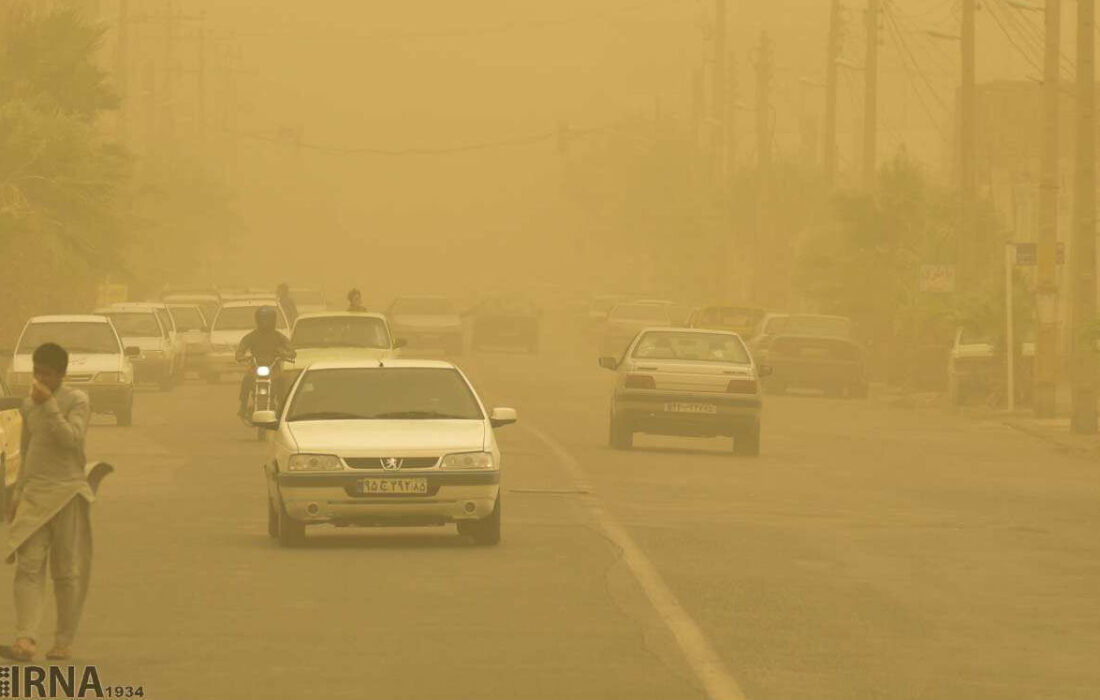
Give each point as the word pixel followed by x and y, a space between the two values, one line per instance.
pixel 620 349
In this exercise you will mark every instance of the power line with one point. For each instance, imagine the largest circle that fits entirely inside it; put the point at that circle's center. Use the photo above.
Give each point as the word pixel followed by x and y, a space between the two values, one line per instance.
pixel 906 52
pixel 995 14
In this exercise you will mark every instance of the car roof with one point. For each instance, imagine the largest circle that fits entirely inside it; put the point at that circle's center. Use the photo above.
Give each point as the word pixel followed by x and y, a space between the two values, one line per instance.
pixel 384 364
pixel 422 296
pixel 70 318
pixel 698 331
pixel 341 314
pixel 240 303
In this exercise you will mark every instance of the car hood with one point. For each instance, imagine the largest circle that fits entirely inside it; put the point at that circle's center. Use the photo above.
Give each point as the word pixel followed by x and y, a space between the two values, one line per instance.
pixel 388 438
pixel 78 363
pixel 307 356
pixel 445 321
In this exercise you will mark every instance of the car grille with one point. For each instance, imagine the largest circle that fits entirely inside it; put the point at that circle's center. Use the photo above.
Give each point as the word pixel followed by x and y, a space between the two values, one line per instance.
pixel 406 462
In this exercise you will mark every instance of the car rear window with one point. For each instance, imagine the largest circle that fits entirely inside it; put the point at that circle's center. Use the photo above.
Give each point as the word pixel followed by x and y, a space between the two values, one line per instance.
pixel 76 337
pixel 135 324
pixel 340 332
pixel 188 318
pixel 383 393
pixel 242 318
pixel 694 347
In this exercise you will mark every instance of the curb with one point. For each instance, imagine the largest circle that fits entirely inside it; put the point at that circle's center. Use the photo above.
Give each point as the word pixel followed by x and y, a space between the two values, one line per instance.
pixel 1056 440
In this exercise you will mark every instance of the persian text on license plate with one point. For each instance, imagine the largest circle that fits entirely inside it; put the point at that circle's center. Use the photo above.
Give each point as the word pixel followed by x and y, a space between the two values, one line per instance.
pixel 393 487
pixel 705 408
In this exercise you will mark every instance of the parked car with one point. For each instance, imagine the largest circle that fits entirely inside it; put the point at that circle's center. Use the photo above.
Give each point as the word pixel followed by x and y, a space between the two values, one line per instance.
pixel 309 301
pixel 206 299
pixel 141 326
pixel 235 319
pixel 598 308
pixel 686 382
pixel 834 365
pixel 976 367
pixel 391 442
pixel 506 322
pixel 99 365
pixel 427 322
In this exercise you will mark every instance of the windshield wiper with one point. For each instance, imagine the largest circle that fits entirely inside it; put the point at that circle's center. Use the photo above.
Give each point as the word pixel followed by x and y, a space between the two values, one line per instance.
pixel 327 415
pixel 416 415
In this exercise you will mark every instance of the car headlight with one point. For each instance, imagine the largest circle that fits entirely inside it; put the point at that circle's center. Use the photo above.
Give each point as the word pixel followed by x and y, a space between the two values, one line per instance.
pixel 468 460
pixel 108 378
pixel 314 463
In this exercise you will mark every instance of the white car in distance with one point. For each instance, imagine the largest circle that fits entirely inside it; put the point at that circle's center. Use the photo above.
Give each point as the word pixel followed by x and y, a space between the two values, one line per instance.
pixel 389 442
pixel 234 321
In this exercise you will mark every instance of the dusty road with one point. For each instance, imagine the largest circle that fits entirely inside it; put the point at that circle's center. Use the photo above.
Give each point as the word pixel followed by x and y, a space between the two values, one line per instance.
pixel 870 552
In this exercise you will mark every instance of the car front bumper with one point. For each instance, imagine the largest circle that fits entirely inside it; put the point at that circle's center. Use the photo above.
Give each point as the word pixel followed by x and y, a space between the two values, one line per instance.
pixel 335 498
pixel 648 411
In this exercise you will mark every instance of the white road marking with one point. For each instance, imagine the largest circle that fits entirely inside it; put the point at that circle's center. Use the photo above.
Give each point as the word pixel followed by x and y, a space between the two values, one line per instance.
pixel 697 651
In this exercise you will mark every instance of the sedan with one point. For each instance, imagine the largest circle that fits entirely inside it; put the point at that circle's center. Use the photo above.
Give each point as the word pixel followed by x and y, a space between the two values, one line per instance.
pixel 384 442
pixel 694 383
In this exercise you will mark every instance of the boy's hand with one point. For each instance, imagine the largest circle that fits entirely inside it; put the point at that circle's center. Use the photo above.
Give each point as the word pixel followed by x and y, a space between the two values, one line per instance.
pixel 40 393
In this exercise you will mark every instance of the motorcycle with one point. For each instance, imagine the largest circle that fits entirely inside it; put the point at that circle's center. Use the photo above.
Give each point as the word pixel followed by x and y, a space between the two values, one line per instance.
pixel 264 395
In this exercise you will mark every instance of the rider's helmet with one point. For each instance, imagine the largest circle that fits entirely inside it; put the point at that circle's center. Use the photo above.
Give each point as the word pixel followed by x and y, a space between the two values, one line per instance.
pixel 265 317
pixel 283 289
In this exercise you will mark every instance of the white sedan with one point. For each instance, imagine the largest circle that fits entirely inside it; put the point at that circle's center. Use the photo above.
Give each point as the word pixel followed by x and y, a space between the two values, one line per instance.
pixel 687 382
pixel 384 442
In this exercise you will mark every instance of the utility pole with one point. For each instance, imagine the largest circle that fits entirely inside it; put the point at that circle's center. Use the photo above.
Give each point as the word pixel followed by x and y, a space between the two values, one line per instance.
pixel 831 56
pixel 870 96
pixel 169 74
pixel 731 119
pixel 1046 350
pixel 1083 419
pixel 718 94
pixel 200 80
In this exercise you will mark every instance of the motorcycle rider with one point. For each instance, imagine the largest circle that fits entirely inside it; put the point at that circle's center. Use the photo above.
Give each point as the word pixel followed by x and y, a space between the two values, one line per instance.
pixel 267 346
pixel 355 301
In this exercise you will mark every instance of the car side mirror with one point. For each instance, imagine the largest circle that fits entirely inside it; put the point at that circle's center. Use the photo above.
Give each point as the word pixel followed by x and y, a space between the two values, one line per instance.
pixel 765 370
pixel 500 417
pixel 132 351
pixel 11 403
pixel 399 343
pixel 267 420
pixel 609 363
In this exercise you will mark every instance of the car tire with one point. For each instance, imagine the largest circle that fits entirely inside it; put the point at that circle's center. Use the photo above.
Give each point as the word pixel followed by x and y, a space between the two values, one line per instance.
pixel 272 520
pixel 125 416
pixel 485 532
pixel 291 532
pixel 746 443
pixel 620 434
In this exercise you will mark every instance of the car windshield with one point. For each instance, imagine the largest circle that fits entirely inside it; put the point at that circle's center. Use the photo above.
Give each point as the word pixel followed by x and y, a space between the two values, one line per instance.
pixel 242 318
pixel 135 324
pixel 188 318
pixel 77 337
pixel 650 313
pixel 697 347
pixel 422 307
pixel 340 332
pixel 390 393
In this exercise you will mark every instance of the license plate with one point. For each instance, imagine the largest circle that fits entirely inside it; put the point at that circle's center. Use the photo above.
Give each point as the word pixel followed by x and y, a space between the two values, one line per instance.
pixel 706 408
pixel 393 487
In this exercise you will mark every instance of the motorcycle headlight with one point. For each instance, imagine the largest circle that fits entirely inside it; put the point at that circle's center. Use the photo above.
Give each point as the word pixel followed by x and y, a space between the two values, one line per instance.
pixel 468 460
pixel 263 371
pixel 108 378
pixel 313 463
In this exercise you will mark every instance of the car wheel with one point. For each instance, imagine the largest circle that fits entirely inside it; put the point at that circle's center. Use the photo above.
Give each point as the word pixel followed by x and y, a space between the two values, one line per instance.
pixel 125 416
pixel 620 434
pixel 272 519
pixel 485 532
pixel 746 443
pixel 291 532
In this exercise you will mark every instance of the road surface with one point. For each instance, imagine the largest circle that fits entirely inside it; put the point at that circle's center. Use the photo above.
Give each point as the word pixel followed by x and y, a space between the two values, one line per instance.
pixel 871 551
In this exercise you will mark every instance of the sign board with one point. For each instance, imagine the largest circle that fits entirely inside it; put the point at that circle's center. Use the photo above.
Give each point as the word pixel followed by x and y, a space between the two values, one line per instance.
pixel 939 279
pixel 1027 254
